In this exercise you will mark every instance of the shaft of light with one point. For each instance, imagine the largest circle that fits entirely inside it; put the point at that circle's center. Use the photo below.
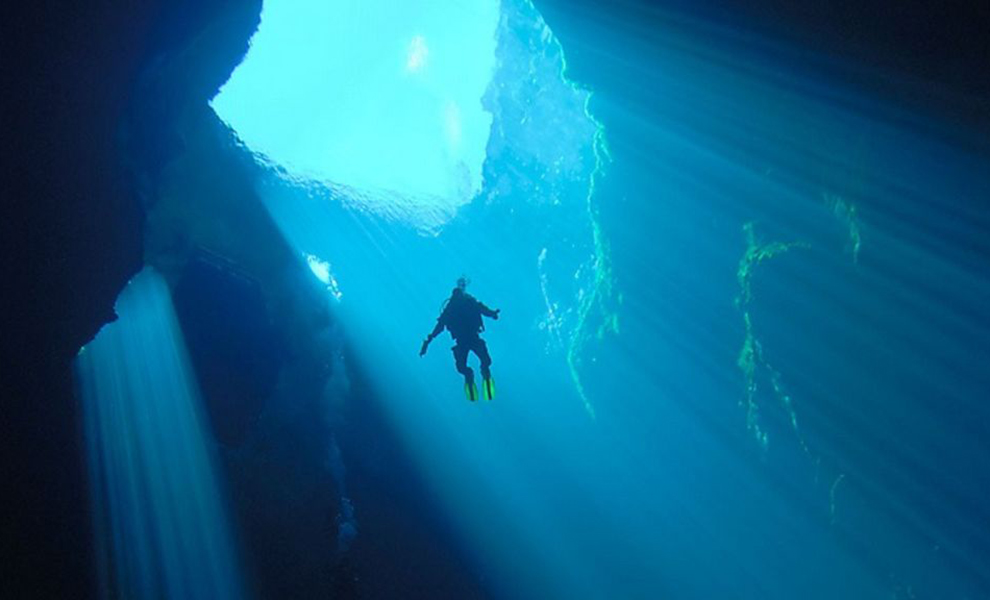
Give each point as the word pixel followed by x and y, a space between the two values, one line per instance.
pixel 161 526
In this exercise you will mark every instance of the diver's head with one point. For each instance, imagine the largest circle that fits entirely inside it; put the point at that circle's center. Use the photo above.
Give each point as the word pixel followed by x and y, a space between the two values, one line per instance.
pixel 459 291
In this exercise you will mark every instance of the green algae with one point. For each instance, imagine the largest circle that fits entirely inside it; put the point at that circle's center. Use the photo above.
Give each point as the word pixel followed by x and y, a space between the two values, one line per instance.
pixel 751 360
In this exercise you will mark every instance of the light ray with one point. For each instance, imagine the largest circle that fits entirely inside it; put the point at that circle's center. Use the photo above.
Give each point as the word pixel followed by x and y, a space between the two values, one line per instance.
pixel 161 524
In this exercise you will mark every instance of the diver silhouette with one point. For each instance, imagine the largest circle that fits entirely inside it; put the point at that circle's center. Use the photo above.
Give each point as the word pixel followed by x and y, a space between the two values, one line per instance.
pixel 461 316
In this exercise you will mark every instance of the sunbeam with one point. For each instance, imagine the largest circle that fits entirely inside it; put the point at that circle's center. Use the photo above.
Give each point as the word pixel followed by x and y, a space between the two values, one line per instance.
pixel 162 529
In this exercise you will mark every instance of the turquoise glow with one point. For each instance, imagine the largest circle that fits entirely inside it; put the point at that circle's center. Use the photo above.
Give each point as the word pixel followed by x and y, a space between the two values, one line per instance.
pixel 532 247
pixel 376 96
pixel 161 525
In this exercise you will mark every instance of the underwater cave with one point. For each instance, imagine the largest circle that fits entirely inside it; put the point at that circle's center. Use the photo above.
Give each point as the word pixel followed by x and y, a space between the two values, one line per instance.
pixel 738 256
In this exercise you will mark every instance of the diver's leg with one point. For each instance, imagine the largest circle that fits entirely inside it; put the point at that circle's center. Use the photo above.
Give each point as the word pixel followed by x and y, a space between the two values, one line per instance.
pixel 460 362
pixel 481 349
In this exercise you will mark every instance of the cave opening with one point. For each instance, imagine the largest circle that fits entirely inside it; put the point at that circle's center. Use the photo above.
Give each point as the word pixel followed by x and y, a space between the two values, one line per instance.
pixel 379 98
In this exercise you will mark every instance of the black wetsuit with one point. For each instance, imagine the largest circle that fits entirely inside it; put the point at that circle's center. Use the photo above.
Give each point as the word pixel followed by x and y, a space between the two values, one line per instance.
pixel 462 318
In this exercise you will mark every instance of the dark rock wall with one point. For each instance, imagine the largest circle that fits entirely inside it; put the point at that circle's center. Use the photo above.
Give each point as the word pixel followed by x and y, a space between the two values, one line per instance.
pixel 70 237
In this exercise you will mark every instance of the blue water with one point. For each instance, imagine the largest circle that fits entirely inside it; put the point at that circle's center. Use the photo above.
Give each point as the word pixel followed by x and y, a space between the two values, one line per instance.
pixel 744 313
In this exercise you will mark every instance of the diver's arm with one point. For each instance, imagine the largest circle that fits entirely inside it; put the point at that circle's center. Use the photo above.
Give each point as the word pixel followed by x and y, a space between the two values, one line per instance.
pixel 489 312
pixel 437 330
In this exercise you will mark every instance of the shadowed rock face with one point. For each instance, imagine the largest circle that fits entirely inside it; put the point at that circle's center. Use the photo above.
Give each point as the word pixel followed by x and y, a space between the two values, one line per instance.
pixel 71 237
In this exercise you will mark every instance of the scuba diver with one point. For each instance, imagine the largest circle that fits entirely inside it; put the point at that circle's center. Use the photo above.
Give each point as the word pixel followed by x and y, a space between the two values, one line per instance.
pixel 461 316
